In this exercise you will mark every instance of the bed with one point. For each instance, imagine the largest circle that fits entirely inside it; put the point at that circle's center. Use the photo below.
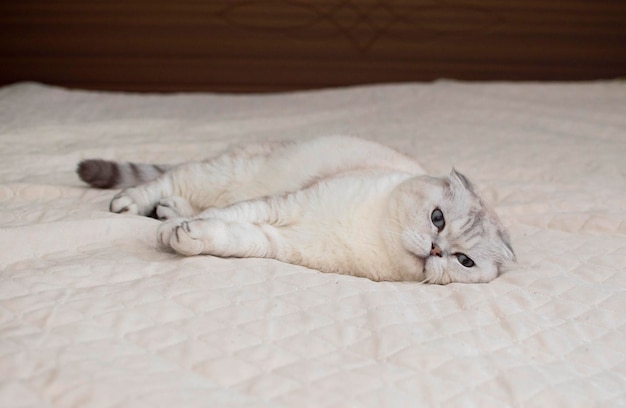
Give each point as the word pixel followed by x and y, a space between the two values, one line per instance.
pixel 93 313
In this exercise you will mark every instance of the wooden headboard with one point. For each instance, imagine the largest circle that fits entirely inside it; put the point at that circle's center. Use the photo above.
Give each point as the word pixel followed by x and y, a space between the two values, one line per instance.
pixel 275 45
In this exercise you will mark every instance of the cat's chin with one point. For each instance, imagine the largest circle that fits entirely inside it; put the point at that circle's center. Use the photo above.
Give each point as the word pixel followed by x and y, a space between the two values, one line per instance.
pixel 422 275
pixel 414 267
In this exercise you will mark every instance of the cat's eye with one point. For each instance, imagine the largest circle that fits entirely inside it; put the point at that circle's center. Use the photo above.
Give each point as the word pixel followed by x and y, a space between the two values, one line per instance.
pixel 464 260
pixel 437 219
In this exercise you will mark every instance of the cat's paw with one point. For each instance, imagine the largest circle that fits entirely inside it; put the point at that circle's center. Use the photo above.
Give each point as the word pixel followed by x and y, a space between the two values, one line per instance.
pixel 193 237
pixel 132 201
pixel 173 207
pixel 184 236
pixel 123 203
pixel 167 229
pixel 188 239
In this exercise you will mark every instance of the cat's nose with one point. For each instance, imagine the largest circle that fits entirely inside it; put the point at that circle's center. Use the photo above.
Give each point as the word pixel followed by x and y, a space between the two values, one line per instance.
pixel 435 250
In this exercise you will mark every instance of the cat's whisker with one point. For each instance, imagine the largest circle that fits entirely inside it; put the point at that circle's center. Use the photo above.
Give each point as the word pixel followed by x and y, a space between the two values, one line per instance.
pixel 424 281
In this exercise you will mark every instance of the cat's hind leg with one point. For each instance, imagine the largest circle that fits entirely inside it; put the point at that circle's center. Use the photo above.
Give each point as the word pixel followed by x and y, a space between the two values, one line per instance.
pixel 141 199
pixel 133 202
pixel 220 181
pixel 165 194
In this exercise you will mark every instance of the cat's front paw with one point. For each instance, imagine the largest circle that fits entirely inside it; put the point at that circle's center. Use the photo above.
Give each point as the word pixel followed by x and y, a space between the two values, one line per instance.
pixel 167 229
pixel 184 236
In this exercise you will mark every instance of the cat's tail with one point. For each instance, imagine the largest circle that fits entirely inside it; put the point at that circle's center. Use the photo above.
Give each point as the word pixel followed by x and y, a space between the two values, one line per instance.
pixel 110 174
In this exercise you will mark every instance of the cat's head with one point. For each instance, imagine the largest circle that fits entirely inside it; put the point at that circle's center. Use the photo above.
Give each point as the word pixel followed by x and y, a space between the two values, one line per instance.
pixel 446 226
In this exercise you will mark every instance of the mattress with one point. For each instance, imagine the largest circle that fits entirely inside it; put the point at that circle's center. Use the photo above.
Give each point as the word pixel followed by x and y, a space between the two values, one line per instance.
pixel 93 313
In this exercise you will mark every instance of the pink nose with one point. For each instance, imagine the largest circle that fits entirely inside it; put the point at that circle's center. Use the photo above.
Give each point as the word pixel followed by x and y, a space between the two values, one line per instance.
pixel 435 250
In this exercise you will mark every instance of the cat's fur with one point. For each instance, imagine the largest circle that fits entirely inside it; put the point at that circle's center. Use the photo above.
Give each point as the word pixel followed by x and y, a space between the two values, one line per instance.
pixel 336 204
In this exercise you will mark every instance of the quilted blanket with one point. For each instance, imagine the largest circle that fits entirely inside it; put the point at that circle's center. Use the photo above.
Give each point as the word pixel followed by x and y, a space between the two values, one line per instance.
pixel 94 314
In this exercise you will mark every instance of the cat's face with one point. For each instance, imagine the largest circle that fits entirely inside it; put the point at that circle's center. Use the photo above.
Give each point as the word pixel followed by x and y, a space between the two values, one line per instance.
pixel 445 226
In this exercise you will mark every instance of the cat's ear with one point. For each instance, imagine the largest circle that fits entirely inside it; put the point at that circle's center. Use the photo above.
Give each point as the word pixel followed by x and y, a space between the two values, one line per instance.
pixel 464 181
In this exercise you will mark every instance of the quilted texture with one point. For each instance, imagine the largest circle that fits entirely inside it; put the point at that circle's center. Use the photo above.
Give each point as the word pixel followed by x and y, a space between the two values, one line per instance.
pixel 94 314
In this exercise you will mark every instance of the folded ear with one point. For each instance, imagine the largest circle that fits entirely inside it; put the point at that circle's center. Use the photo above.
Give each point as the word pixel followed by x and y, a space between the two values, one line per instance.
pixel 464 181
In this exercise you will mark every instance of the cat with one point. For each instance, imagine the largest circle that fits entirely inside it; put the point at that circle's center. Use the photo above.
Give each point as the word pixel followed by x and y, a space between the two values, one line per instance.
pixel 336 204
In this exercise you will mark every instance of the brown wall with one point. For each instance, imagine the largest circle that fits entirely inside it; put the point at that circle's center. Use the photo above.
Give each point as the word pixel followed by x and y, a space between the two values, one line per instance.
pixel 261 45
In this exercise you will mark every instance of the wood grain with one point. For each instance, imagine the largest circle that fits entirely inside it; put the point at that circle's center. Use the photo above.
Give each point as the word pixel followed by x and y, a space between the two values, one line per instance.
pixel 277 45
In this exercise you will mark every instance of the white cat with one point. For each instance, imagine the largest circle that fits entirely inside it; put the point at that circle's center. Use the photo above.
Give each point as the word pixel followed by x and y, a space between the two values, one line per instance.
pixel 335 204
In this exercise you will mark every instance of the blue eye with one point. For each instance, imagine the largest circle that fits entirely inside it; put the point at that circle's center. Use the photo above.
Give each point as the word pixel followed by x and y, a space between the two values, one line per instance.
pixel 437 219
pixel 464 260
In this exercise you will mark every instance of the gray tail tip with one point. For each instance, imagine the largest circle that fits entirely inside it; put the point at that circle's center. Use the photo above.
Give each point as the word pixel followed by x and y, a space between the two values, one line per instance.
pixel 98 173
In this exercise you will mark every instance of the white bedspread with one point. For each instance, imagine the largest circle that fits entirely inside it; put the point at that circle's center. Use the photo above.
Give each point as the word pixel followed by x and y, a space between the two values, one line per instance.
pixel 94 314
